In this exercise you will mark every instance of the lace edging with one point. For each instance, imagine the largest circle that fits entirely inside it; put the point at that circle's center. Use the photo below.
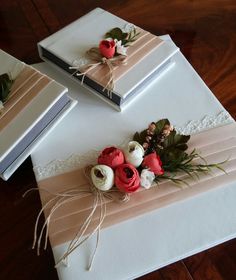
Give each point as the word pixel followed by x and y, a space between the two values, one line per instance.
pixel 207 122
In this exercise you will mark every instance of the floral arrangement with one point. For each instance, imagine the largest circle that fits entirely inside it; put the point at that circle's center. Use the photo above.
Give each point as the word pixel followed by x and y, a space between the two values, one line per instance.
pixel 155 154
pixel 112 52
pixel 5 87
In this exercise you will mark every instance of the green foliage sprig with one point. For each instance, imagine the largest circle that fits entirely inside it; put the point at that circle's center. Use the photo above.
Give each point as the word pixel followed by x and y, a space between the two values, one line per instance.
pixel 124 37
pixel 163 139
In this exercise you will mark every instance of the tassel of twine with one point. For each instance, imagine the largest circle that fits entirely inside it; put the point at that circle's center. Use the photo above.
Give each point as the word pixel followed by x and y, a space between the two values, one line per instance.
pixel 59 199
pixel 95 55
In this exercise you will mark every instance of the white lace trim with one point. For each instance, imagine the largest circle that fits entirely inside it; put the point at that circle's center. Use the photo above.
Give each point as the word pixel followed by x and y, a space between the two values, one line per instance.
pixel 57 167
pixel 79 62
pixel 207 122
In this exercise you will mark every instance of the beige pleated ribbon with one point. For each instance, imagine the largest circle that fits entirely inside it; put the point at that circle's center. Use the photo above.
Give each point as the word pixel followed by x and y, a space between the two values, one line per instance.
pixel 25 87
pixel 95 55
pixel 75 210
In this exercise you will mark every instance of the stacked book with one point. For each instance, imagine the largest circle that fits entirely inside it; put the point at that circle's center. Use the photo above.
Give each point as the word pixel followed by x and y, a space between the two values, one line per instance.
pixel 31 104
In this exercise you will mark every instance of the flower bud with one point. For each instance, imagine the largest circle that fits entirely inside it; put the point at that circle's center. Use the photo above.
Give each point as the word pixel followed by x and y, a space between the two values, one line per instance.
pixel 134 153
pixel 153 163
pixel 111 156
pixel 127 178
pixel 107 48
pixel 102 177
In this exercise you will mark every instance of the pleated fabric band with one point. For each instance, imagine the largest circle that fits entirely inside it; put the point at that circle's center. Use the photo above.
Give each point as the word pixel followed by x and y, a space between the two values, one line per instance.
pixel 26 86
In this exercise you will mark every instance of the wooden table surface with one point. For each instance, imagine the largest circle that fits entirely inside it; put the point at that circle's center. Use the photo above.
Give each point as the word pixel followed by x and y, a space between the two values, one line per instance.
pixel 205 31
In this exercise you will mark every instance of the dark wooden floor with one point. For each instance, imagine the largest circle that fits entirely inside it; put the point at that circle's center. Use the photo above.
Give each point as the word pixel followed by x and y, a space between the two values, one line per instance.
pixel 206 33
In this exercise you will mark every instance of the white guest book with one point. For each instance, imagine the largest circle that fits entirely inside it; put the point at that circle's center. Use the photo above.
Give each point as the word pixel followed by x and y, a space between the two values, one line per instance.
pixel 183 222
pixel 147 57
pixel 34 105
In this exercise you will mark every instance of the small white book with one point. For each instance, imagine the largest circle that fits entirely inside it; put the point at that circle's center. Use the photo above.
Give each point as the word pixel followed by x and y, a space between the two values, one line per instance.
pixel 147 56
pixel 34 104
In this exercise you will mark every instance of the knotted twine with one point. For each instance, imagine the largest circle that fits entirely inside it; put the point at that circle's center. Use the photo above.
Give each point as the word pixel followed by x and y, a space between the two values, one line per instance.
pixel 59 199
pixel 95 55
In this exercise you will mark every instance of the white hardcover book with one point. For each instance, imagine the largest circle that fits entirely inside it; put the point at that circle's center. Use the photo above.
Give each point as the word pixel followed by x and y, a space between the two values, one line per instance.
pixel 184 222
pixel 147 57
pixel 34 103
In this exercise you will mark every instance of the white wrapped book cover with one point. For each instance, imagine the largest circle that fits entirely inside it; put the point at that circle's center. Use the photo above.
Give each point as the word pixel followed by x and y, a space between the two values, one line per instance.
pixel 142 243
pixel 31 104
pixel 139 59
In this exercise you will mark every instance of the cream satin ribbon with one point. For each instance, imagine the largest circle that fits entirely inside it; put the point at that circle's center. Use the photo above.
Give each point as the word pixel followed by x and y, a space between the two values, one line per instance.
pixel 95 55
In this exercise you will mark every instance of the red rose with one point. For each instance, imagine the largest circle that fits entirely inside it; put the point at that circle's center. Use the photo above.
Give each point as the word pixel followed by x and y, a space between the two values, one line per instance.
pixel 107 48
pixel 153 162
pixel 127 178
pixel 111 156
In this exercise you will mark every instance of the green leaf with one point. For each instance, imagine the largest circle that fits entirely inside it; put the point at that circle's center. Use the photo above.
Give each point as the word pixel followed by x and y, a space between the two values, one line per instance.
pixel 140 137
pixel 182 146
pixel 170 140
pixel 136 137
pixel 116 33
pixel 181 139
pixel 176 140
pixel 5 86
pixel 160 125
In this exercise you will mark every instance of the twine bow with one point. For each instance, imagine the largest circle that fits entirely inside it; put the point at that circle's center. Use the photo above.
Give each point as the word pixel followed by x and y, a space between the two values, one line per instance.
pixel 59 199
pixel 95 55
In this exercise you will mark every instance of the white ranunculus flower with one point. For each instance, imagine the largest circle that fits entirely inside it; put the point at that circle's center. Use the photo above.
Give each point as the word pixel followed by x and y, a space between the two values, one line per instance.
pixel 134 153
pixel 146 179
pixel 102 177
pixel 120 49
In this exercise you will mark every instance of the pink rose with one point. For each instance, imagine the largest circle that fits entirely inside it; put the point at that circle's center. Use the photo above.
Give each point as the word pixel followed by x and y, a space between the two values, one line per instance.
pixel 127 178
pixel 107 48
pixel 111 156
pixel 153 163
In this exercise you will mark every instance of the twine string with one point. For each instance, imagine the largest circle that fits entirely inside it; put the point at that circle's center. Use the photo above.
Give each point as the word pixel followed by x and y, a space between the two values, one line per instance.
pixel 61 198
pixel 95 55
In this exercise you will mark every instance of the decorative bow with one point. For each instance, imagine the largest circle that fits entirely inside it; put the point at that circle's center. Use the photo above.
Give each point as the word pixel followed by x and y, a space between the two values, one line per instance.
pixel 95 55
